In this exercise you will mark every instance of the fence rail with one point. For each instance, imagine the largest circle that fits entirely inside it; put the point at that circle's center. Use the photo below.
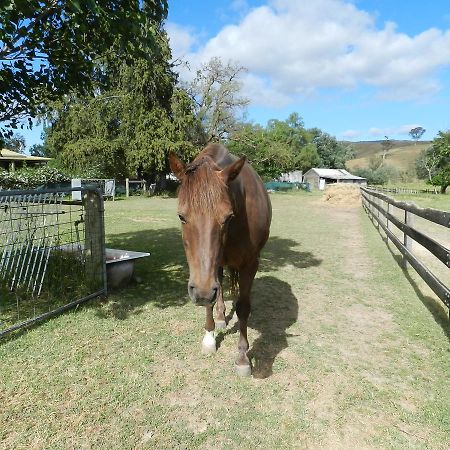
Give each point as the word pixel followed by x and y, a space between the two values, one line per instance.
pixel 378 206
pixel 52 253
pixel 399 190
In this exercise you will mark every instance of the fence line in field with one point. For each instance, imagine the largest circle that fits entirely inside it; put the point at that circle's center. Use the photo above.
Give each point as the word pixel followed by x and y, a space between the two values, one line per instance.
pixel 399 190
pixel 378 207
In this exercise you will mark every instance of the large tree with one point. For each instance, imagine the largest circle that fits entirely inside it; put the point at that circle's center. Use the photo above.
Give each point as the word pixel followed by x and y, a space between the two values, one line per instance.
pixel 127 129
pixel 48 47
pixel 218 102
pixel 333 154
pixel 280 147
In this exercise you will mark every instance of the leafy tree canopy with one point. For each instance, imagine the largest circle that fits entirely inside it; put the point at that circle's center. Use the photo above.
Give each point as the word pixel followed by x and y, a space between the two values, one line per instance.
pixel 417 133
pixel 333 154
pixel 280 147
pixel 127 129
pixel 48 47
pixel 16 143
pixel 440 150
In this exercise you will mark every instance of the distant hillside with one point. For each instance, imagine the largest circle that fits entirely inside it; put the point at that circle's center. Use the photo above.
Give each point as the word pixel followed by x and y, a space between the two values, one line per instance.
pixel 402 156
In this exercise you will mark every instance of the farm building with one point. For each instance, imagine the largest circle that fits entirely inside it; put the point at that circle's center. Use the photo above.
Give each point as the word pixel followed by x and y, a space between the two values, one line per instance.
pixel 10 160
pixel 319 178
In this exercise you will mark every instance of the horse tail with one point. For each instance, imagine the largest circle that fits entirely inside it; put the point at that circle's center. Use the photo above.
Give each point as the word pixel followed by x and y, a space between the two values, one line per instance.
pixel 234 282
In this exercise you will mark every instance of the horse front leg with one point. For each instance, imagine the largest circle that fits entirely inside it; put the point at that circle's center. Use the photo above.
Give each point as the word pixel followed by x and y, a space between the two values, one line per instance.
pixel 221 321
pixel 243 307
pixel 209 340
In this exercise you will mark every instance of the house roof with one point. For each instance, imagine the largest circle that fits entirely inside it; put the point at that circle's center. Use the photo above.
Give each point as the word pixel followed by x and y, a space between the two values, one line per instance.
pixel 9 155
pixel 335 174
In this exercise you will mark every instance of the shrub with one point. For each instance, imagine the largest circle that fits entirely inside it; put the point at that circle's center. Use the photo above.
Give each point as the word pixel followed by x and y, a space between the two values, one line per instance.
pixel 29 178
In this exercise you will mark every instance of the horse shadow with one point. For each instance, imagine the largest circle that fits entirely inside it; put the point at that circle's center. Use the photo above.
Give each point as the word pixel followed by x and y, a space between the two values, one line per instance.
pixel 274 310
pixel 279 253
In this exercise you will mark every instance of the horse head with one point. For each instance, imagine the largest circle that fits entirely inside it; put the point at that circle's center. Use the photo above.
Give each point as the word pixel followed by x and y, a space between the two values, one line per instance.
pixel 205 209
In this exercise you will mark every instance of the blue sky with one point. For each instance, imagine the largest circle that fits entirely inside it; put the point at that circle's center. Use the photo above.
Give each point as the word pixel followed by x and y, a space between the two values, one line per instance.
pixel 357 69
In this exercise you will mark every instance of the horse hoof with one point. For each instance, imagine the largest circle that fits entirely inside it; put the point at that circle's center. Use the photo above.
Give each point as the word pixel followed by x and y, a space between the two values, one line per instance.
pixel 209 343
pixel 208 349
pixel 221 324
pixel 243 370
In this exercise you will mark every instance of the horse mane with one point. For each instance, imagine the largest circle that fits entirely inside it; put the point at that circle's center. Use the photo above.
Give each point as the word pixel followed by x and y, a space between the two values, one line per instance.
pixel 202 189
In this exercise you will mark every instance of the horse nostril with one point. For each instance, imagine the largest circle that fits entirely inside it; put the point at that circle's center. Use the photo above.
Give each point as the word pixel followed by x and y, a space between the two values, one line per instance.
pixel 214 293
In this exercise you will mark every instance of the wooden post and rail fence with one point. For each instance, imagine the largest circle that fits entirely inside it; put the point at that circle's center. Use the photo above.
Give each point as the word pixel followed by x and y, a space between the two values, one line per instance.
pixel 379 207
pixel 401 190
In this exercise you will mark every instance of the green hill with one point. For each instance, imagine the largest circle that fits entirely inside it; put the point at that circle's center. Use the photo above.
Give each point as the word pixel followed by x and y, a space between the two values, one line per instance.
pixel 402 155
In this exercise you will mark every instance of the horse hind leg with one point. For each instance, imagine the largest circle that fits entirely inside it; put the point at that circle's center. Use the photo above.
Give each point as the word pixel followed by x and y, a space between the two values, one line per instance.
pixel 243 307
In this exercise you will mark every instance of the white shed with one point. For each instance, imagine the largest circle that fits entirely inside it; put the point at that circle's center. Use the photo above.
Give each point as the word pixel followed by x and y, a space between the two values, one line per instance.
pixel 319 178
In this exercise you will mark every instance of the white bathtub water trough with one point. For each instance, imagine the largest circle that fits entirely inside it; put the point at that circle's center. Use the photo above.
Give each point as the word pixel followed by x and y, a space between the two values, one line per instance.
pixel 120 266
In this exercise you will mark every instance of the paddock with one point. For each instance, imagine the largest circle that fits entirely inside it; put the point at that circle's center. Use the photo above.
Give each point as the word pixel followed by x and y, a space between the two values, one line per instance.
pixel 358 357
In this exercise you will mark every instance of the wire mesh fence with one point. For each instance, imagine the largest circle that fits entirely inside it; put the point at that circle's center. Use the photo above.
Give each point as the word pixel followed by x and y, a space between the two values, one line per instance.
pixel 52 253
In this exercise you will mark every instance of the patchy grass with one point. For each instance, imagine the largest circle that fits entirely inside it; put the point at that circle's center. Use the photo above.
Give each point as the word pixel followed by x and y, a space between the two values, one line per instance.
pixel 347 351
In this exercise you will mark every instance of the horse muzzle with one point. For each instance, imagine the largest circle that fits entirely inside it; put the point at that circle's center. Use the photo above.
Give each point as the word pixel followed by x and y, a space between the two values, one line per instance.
pixel 203 297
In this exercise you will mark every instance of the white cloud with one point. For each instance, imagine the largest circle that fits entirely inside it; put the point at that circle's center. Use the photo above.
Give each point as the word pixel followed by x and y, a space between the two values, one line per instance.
pixel 295 49
pixel 351 134
pixel 392 131
pixel 182 39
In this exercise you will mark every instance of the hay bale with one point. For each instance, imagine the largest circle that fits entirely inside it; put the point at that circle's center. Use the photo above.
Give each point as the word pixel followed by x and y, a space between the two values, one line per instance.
pixel 342 194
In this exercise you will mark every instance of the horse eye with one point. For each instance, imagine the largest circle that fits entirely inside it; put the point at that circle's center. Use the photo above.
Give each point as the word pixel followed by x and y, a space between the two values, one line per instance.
pixel 182 218
pixel 227 220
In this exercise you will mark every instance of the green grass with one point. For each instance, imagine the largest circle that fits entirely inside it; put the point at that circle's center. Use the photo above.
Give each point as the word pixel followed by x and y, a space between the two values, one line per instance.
pixel 347 350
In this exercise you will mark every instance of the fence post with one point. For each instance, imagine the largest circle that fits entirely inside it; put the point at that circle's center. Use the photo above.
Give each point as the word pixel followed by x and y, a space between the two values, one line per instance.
pixel 407 241
pixel 127 187
pixel 388 210
pixel 94 239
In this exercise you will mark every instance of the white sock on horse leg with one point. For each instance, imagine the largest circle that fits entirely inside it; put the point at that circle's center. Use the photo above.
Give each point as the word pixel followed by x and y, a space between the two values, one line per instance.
pixel 209 342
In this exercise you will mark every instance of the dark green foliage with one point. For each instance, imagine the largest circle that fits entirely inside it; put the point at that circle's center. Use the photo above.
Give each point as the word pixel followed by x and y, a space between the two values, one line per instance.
pixel 49 48
pixel 38 150
pixel 380 175
pixel 333 154
pixel 283 146
pixel 128 124
pixel 440 151
pixel 427 164
pixel 15 142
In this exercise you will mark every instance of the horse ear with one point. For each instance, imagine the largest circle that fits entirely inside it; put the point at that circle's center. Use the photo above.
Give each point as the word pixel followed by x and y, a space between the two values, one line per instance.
pixel 176 165
pixel 230 172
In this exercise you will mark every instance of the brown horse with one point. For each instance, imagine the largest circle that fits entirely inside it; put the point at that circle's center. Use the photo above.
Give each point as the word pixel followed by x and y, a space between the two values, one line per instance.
pixel 226 215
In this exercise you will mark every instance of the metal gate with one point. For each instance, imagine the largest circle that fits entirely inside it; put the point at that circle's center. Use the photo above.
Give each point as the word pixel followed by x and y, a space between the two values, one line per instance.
pixel 52 253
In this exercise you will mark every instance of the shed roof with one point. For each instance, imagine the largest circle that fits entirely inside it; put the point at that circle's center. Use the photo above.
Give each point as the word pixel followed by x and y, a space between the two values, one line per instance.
pixel 9 155
pixel 335 174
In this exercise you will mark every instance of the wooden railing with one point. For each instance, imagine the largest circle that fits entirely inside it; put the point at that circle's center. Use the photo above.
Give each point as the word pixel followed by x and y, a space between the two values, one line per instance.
pixel 378 206
pixel 399 190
